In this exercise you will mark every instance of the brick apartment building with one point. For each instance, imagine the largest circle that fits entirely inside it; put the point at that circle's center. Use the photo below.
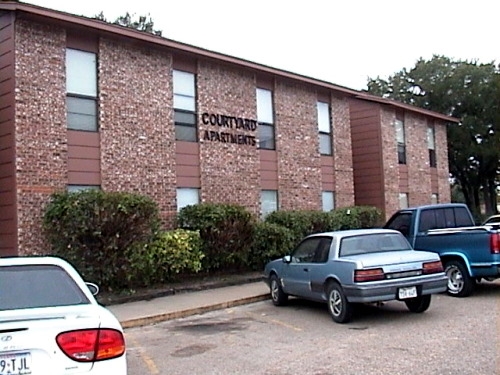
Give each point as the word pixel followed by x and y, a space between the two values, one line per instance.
pixel 87 104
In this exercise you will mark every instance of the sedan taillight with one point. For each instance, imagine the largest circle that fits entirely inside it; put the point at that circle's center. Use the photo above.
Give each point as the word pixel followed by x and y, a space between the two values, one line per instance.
pixel 92 344
pixel 432 267
pixel 368 275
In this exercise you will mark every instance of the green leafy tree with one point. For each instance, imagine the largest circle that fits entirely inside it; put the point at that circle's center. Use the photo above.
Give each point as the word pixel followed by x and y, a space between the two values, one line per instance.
pixel 469 91
pixel 141 23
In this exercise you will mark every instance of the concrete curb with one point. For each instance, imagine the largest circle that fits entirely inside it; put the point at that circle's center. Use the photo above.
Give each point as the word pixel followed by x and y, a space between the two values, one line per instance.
pixel 158 318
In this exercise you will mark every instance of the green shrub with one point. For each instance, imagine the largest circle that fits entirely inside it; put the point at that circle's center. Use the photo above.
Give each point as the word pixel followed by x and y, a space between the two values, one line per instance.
pixel 94 229
pixel 355 217
pixel 270 241
pixel 226 232
pixel 169 254
pixel 301 223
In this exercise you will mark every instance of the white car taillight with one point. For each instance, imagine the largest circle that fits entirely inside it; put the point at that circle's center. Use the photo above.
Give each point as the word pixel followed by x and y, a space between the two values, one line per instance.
pixel 92 344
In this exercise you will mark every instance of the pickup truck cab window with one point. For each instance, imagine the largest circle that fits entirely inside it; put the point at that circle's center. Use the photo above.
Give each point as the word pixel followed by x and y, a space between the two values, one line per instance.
pixel 450 217
pixel 401 222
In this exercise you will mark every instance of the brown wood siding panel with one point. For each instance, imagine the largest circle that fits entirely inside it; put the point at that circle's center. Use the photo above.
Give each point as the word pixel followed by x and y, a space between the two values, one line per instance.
pixel 268 169
pixel 434 181
pixel 188 160
pixel 367 156
pixel 327 173
pixel 188 182
pixel 403 178
pixel 84 178
pixel 87 43
pixel 83 165
pixel 8 207
pixel 84 158
pixel 185 64
pixel 187 156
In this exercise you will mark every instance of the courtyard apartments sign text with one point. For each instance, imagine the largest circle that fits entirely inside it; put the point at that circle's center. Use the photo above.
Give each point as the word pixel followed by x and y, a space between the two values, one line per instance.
pixel 239 124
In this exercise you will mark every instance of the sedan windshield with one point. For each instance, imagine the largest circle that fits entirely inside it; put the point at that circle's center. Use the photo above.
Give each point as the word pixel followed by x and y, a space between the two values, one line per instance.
pixel 31 286
pixel 373 243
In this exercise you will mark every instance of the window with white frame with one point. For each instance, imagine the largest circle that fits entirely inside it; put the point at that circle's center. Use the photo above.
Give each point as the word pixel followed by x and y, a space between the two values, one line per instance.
pixel 431 144
pixel 434 198
pixel 265 118
pixel 400 137
pixel 187 197
pixel 403 200
pixel 185 106
pixel 325 128
pixel 268 202
pixel 81 90
pixel 328 200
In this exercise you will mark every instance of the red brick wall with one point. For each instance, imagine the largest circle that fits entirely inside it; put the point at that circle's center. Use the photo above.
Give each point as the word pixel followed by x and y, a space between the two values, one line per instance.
pixel 136 123
pixel 230 172
pixel 297 144
pixel 417 160
pixel 41 136
pixel 441 142
pixel 342 152
pixel 390 161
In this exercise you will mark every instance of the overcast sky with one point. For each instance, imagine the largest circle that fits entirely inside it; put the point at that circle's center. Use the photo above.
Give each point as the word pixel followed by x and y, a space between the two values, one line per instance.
pixel 342 42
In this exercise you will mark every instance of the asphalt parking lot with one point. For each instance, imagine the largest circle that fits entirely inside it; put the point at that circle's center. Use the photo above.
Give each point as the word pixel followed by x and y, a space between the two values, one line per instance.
pixel 455 336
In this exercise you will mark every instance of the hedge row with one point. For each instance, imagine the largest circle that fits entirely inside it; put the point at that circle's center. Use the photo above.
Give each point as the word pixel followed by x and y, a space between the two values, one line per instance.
pixel 115 239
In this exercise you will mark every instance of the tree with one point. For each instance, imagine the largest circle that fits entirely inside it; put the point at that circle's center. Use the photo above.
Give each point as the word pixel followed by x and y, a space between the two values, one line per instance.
pixel 469 91
pixel 142 23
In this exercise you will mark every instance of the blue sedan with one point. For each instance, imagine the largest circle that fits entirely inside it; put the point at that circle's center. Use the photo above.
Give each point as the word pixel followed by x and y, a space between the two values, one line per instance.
pixel 356 266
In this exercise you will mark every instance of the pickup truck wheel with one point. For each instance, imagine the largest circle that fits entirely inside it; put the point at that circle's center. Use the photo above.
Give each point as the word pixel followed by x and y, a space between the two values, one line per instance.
pixel 418 304
pixel 460 284
pixel 278 296
pixel 338 306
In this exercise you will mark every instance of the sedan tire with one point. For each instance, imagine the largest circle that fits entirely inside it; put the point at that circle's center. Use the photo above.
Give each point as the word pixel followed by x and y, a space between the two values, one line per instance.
pixel 418 304
pixel 338 306
pixel 278 296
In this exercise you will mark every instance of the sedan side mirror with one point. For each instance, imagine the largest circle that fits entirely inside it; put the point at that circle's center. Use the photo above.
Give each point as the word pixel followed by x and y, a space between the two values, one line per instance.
pixel 94 289
pixel 287 259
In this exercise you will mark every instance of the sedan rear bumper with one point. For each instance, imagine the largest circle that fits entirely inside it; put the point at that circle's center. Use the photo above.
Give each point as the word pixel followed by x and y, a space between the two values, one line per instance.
pixel 377 291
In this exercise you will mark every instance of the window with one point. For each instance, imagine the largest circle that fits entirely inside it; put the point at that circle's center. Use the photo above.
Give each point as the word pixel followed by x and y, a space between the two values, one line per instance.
pixel 185 106
pixel 432 146
pixel 81 90
pixel 77 188
pixel 403 200
pixel 268 202
pixel 328 200
pixel 306 251
pixel 187 197
pixel 265 118
pixel 434 198
pixel 325 129
pixel 400 137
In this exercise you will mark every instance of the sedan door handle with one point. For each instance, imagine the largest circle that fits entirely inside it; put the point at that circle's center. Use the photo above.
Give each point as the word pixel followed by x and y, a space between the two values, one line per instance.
pixel 306 269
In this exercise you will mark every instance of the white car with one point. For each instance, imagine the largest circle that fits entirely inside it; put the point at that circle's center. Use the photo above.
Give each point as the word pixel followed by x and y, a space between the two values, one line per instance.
pixel 50 322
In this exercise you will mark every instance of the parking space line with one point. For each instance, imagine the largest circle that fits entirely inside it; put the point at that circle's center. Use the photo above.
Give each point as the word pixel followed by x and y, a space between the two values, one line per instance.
pixel 275 321
pixel 150 364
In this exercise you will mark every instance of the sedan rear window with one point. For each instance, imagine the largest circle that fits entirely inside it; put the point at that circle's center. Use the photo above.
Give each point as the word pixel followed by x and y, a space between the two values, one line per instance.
pixel 373 243
pixel 32 286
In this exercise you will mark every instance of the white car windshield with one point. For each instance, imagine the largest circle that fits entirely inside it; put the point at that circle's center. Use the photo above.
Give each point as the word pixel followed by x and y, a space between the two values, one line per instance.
pixel 373 243
pixel 32 286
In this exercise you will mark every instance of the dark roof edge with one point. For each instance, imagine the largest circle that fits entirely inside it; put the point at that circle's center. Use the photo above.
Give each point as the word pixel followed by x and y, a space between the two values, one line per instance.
pixel 408 107
pixel 186 48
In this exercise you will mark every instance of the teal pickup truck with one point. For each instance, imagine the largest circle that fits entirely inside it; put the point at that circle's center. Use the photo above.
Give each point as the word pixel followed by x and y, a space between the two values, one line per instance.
pixel 469 253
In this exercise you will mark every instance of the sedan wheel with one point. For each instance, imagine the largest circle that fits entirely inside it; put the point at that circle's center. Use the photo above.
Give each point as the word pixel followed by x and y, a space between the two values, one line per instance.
pixel 278 297
pixel 418 304
pixel 340 309
pixel 459 282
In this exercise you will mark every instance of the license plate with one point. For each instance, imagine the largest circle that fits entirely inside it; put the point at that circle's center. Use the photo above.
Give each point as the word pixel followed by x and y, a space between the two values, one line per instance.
pixel 15 364
pixel 407 292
